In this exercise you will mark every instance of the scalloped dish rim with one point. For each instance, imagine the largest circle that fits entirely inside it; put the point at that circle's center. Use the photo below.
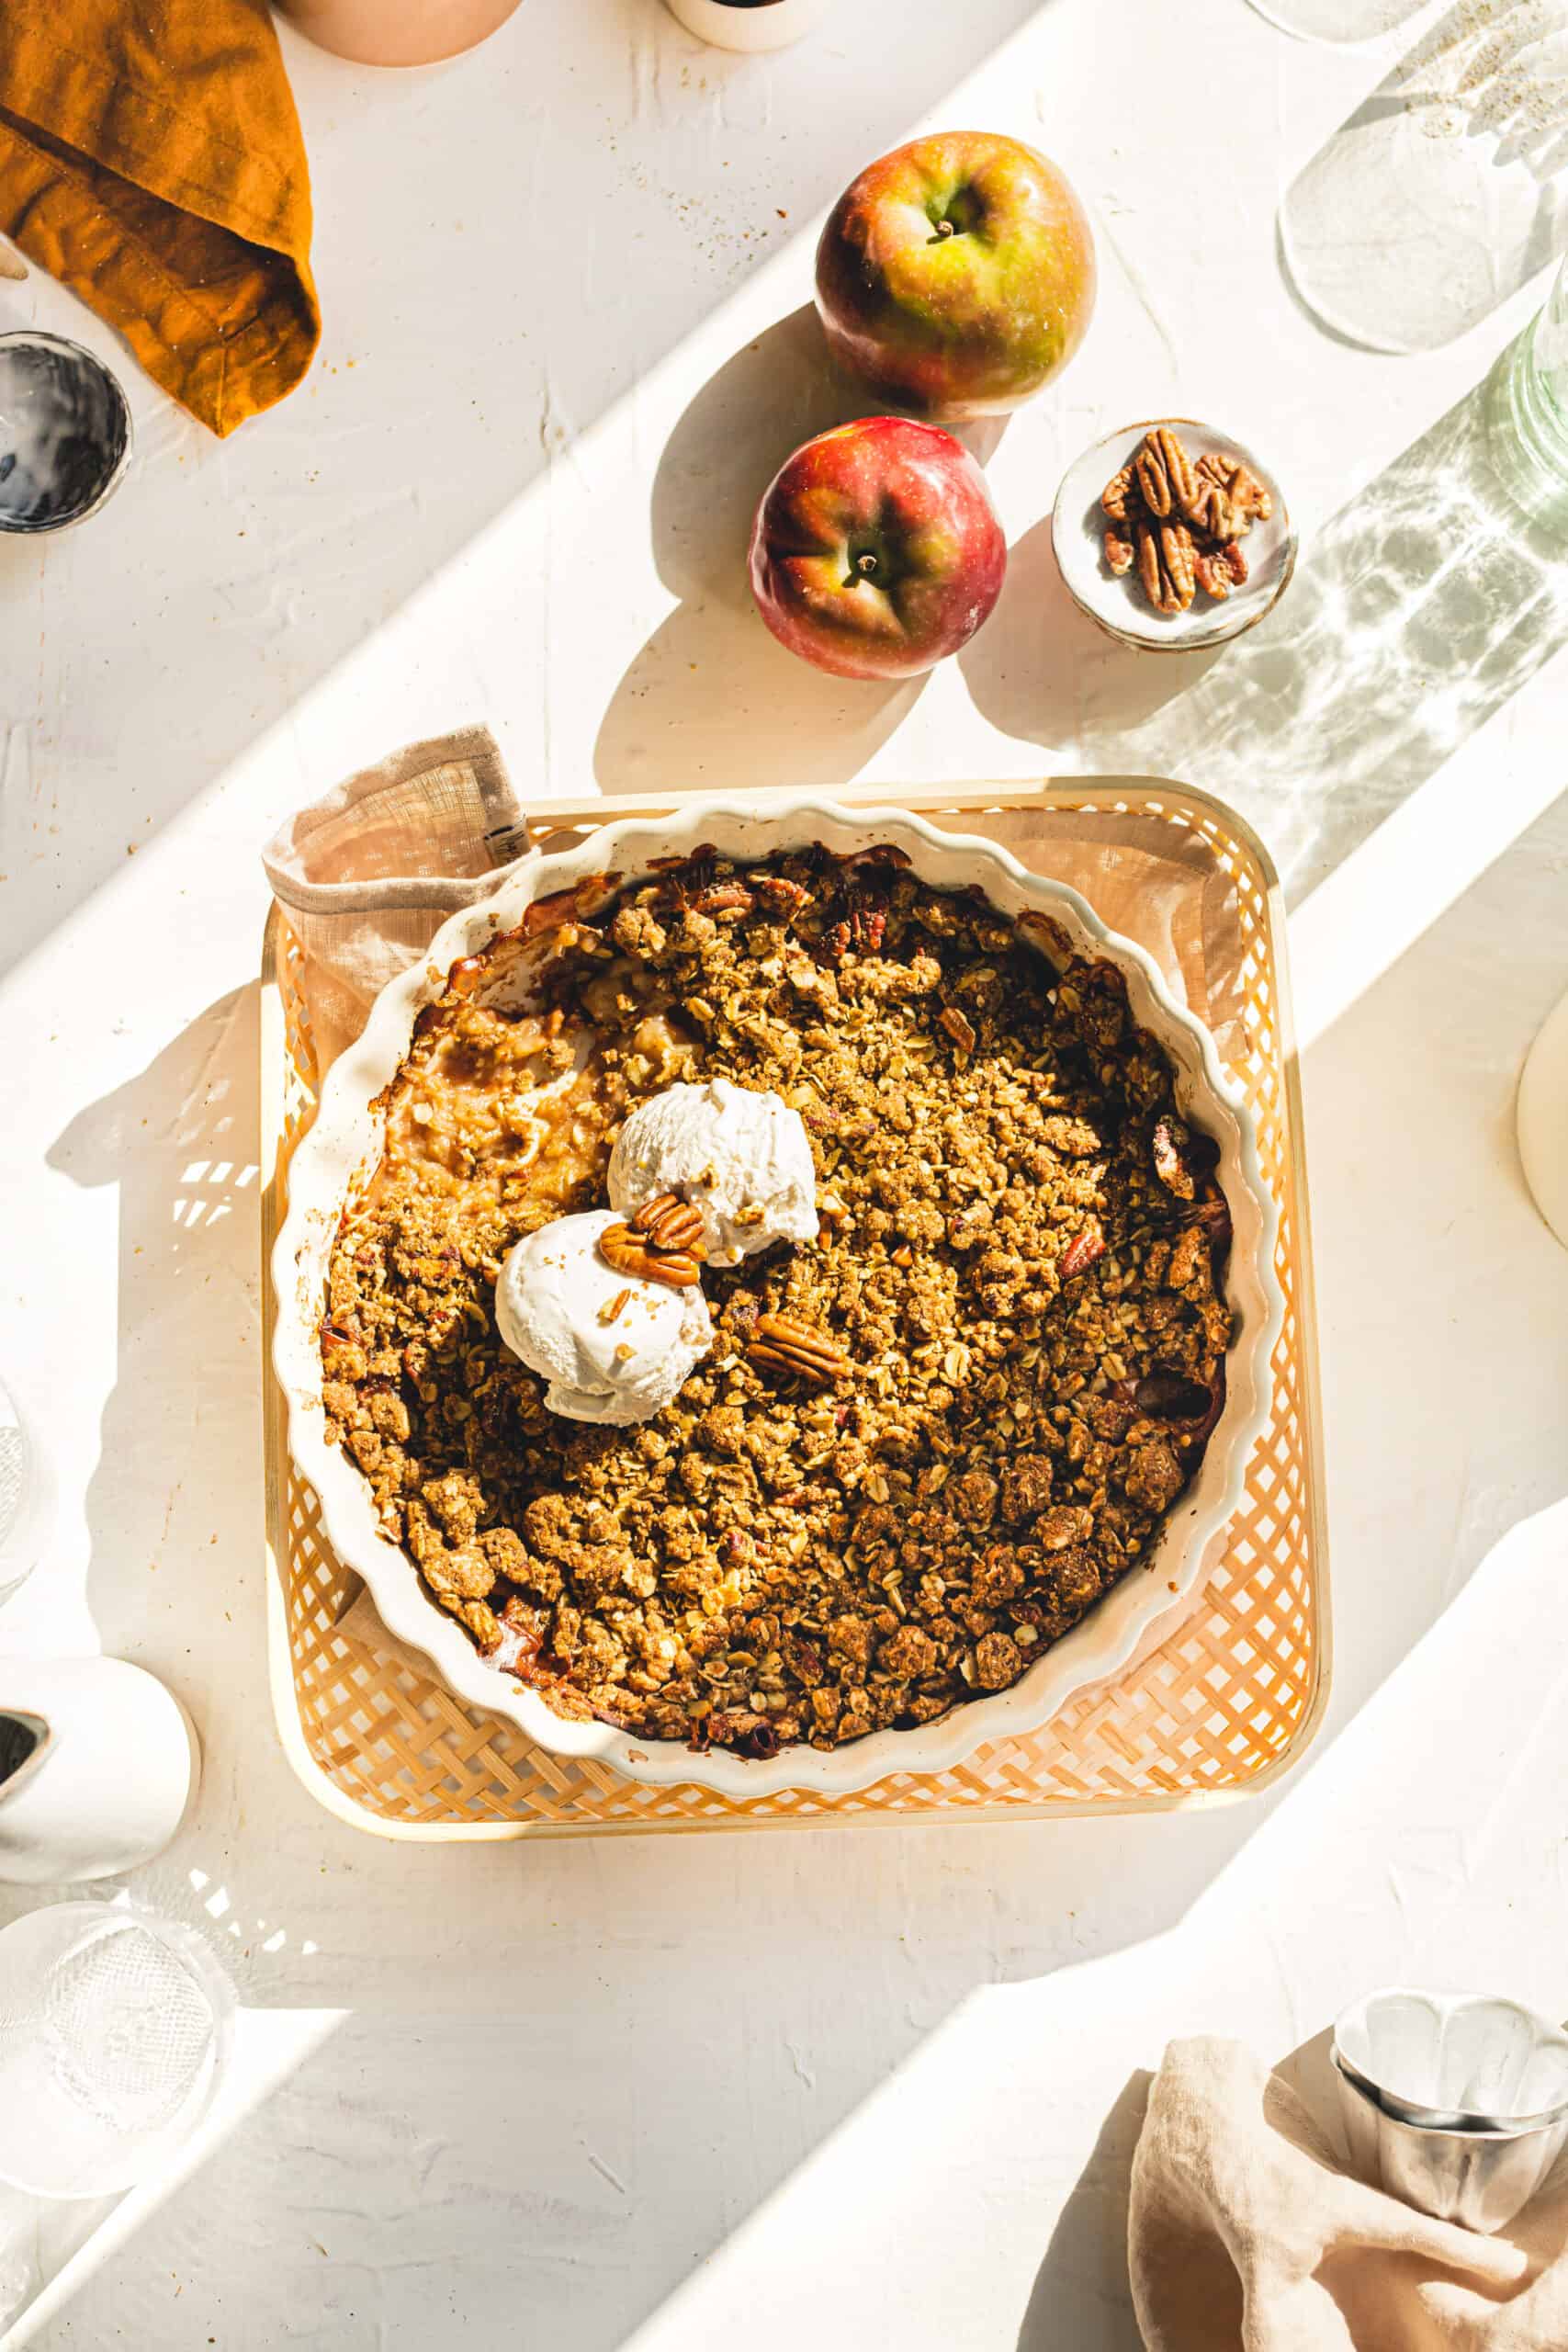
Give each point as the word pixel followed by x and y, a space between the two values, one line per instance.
pixel 346 1132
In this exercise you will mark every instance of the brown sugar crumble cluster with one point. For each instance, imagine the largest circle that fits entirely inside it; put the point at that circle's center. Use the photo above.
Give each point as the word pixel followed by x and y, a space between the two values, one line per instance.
pixel 923 1445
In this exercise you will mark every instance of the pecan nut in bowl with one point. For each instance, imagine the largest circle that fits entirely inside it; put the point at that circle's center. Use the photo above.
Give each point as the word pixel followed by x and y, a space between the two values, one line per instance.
pixel 937 1472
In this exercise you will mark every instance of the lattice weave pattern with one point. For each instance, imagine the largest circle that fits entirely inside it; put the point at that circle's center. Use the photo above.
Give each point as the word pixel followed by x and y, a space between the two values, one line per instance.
pixel 1219 1702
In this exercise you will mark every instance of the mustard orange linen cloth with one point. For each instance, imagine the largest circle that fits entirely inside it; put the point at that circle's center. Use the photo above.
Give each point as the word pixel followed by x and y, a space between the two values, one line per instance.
pixel 150 159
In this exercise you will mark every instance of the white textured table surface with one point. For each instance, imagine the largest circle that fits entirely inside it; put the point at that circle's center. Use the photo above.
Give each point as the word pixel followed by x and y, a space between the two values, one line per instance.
pixel 834 2088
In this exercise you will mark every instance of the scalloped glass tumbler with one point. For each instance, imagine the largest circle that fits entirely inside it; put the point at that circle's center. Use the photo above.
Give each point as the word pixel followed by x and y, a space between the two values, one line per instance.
pixel 1530 417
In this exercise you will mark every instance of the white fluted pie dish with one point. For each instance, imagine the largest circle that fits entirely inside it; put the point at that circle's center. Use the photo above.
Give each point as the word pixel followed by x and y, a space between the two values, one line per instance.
pixel 346 1142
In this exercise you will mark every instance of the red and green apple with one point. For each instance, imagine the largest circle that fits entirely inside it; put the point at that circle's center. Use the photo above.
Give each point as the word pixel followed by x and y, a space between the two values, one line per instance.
pixel 876 550
pixel 956 276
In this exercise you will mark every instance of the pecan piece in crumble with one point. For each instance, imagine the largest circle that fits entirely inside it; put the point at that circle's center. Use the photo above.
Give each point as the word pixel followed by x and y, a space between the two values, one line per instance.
pixel 786 1344
pixel 1081 1253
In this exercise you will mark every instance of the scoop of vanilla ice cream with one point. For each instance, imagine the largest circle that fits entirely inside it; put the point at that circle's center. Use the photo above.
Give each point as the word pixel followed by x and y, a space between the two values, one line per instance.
pixel 742 1157
pixel 552 1307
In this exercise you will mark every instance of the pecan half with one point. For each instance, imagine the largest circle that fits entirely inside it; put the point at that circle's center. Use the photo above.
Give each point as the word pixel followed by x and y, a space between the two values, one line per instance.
pixel 1214 516
pixel 861 927
pixel 1164 474
pixel 1166 566
pixel 1182 1159
pixel 671 1224
pixel 779 893
pixel 1219 570
pixel 1081 1252
pixel 785 1344
pixel 1242 489
pixel 959 1027
pixel 725 899
pixel 1114 497
pixel 631 1253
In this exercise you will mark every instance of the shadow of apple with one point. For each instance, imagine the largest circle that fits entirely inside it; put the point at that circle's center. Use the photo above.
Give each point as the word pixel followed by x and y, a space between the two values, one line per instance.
pixel 1042 671
pixel 712 698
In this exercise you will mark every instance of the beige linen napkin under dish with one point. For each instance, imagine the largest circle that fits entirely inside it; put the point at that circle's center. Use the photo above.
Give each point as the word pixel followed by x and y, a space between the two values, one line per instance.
pixel 1245 2235
pixel 366 875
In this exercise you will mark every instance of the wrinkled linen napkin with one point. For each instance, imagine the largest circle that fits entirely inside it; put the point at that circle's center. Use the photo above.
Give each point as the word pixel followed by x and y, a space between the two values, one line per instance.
pixel 368 874
pixel 1245 2234
pixel 150 159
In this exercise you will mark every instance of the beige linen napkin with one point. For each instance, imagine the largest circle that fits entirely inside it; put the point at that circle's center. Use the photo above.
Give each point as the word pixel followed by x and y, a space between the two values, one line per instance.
pixel 1245 2235
pixel 368 874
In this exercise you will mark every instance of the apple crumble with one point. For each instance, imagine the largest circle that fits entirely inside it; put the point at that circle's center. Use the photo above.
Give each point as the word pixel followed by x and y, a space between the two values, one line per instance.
pixel 923 1444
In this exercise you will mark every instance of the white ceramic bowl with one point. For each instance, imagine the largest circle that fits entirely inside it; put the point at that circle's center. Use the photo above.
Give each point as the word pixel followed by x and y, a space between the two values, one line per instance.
pixel 1119 605
pixel 346 1139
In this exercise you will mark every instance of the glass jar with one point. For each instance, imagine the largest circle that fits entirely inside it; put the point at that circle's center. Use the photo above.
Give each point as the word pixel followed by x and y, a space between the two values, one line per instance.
pixel 1533 405
pixel 27 1496
pixel 1526 421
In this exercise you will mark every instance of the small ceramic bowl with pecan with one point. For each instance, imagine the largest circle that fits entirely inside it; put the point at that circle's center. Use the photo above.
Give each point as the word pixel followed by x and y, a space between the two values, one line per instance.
pixel 1172 536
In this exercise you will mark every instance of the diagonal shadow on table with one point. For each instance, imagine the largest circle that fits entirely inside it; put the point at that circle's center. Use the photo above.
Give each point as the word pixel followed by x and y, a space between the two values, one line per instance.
pixel 773 720
pixel 173 1506
pixel 1417 611
pixel 713 695
pixel 604 184
pixel 1079 2294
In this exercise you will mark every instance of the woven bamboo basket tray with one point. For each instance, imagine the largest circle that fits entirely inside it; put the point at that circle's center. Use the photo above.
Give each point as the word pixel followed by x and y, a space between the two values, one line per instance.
pixel 1213 1709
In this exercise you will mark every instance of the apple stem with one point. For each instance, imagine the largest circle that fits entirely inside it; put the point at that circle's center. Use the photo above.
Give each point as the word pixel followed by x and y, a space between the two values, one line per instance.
pixel 944 228
pixel 866 566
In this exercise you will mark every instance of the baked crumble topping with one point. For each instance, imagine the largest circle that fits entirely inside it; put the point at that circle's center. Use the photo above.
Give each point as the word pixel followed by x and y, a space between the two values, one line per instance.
pixel 924 1444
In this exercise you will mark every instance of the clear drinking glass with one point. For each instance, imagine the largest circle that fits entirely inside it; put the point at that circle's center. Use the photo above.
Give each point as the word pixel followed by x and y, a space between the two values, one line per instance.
pixel 1447 189
pixel 27 1496
pixel 115 2027
pixel 115 2030
pixel 1530 417
pixel 1337 20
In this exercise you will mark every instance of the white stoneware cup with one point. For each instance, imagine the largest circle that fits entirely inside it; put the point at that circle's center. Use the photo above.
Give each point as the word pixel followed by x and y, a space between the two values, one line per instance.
pixel 98 1764
pixel 751 24
pixel 1543 1122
